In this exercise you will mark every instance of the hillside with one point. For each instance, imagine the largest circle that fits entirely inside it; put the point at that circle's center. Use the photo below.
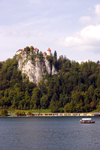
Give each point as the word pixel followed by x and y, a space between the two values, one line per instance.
pixel 66 86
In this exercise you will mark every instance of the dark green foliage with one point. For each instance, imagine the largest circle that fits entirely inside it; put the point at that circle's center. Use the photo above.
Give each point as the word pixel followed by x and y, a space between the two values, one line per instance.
pixel 29 112
pixel 75 88
pixel 44 102
pixel 27 49
pixel 20 113
pixel 1 65
pixel 55 55
pixel 31 48
pixel 40 56
pixel 14 92
pixel 35 98
pixel 33 57
pixel 4 112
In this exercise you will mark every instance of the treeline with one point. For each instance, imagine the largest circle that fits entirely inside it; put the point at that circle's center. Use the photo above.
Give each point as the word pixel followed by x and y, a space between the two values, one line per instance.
pixel 75 88
pixel 15 88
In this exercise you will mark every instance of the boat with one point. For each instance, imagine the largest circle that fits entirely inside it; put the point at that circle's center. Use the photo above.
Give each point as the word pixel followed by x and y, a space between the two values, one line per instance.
pixel 86 121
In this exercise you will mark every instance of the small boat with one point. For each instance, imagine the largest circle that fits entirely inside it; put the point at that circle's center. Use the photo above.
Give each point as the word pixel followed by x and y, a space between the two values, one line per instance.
pixel 86 121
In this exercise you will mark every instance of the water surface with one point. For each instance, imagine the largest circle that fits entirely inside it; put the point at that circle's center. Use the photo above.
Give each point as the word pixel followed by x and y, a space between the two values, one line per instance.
pixel 48 133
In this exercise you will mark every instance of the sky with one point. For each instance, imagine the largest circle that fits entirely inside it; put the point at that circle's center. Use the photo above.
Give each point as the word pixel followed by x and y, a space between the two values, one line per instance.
pixel 71 27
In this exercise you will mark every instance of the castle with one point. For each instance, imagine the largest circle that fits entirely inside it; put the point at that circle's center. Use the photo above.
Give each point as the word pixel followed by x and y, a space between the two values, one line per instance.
pixel 34 68
pixel 35 51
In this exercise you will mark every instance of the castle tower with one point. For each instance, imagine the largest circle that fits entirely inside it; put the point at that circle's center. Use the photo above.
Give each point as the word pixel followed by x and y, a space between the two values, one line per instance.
pixel 44 54
pixel 36 50
pixel 49 51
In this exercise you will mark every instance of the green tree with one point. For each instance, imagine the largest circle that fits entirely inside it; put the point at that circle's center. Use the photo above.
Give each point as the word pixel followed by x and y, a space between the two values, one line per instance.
pixel 4 112
pixel 35 98
pixel 31 48
pixel 29 112
pixel 55 55
pixel 41 56
pixel 44 101
pixel 67 108
pixel 54 106
pixel 27 48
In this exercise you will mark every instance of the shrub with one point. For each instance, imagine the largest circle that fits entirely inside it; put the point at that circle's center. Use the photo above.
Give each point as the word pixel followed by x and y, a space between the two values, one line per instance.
pixel 19 113
pixel 4 112
pixel 29 113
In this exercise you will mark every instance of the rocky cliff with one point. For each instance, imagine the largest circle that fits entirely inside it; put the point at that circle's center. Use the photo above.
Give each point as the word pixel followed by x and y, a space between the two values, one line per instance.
pixel 34 67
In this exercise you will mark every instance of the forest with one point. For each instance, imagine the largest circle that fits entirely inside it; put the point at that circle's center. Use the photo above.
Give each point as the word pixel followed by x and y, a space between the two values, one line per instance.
pixel 75 88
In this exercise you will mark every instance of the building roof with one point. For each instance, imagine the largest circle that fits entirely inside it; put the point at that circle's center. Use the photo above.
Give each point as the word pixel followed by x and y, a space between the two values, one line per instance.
pixel 19 50
pixel 35 48
pixel 44 53
pixel 48 49
pixel 23 49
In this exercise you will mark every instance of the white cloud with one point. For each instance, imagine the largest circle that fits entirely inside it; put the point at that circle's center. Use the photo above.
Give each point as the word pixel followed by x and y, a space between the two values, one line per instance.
pixel 88 39
pixel 93 19
pixel 85 19
pixel 97 9
pixel 41 23
pixel 91 32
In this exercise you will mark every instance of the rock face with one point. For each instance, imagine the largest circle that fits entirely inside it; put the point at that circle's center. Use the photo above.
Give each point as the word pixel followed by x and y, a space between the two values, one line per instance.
pixel 34 70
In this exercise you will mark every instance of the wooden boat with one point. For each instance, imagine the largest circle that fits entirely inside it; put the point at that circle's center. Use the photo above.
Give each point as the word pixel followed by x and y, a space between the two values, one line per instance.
pixel 86 121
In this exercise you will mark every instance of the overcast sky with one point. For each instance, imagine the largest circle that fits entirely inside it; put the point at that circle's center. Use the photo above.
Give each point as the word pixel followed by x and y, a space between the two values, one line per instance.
pixel 71 27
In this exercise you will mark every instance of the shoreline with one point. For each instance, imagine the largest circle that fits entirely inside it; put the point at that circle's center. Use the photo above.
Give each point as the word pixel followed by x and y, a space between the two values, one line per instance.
pixel 65 114
pixel 55 115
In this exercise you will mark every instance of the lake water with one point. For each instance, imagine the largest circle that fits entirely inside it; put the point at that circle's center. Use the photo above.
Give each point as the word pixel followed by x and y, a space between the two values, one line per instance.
pixel 49 133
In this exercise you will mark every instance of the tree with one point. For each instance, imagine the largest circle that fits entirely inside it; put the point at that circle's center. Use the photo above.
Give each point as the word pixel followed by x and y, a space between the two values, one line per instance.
pixel 41 56
pixel 4 112
pixel 27 49
pixel 92 105
pixel 54 106
pixel 79 107
pixel 31 48
pixel 35 98
pixel 98 106
pixel 67 108
pixel 1 65
pixel 29 112
pixel 55 55
pixel 20 113
pixel 44 101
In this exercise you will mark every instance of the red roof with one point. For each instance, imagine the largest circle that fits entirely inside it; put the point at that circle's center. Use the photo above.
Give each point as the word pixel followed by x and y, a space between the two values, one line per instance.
pixel 23 49
pixel 44 53
pixel 19 50
pixel 48 49
pixel 35 48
